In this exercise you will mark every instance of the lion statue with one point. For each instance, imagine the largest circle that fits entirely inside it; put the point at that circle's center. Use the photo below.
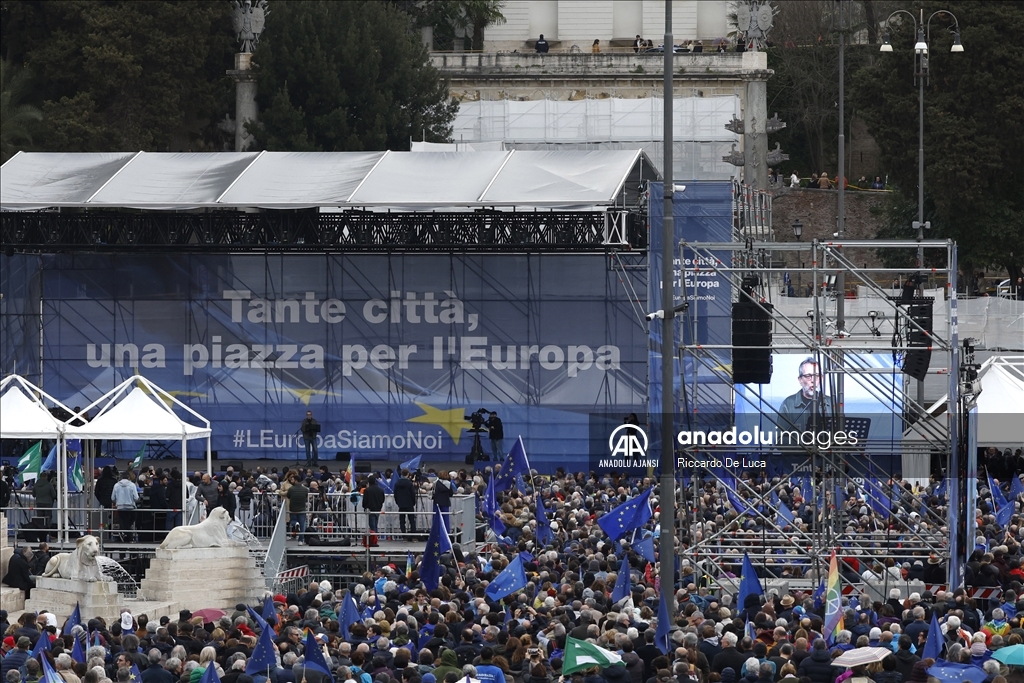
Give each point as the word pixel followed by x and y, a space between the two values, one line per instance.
pixel 212 532
pixel 80 564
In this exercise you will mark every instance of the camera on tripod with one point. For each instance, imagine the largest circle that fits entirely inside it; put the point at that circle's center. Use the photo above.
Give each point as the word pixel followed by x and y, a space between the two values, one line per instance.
pixel 478 418
pixel 478 424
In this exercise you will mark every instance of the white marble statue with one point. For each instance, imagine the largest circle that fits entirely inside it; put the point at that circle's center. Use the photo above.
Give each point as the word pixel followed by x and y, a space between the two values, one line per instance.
pixel 80 564
pixel 212 532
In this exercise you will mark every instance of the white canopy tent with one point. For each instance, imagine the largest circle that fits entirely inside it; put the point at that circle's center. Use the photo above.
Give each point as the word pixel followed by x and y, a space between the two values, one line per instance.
pixel 1000 409
pixel 139 409
pixel 559 179
pixel 24 415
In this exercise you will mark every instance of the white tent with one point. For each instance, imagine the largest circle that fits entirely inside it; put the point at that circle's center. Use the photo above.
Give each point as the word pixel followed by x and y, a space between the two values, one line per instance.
pixel 1000 411
pixel 24 415
pixel 139 409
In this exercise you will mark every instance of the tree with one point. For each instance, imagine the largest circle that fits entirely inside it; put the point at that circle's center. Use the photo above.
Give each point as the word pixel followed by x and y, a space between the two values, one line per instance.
pixel 124 75
pixel 341 76
pixel 17 119
pixel 974 112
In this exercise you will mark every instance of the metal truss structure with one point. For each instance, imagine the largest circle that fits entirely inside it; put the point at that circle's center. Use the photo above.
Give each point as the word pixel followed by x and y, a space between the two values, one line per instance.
pixel 311 230
pixel 839 353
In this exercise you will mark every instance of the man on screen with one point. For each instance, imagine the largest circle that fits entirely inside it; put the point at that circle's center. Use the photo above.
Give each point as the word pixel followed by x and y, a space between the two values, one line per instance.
pixel 805 407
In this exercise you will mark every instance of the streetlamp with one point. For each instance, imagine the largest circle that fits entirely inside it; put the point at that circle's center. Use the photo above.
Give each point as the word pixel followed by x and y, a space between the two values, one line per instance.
pixel 798 231
pixel 923 30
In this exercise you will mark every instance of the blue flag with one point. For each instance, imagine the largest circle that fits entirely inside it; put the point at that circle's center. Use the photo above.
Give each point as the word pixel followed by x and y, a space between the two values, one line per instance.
pixel 876 498
pixel 388 484
pixel 42 645
pixel 269 612
pixel 491 509
pixel 819 595
pixel 263 657
pixel 749 583
pixel 785 516
pixel 933 646
pixel 940 490
pixel 997 495
pixel 1004 515
pixel 348 616
pixel 515 463
pixel 264 626
pixel 77 653
pixel 314 657
pixel 511 579
pixel 96 639
pixel 1016 488
pixel 622 582
pixel 135 676
pixel 632 514
pixel 74 620
pixel 750 631
pixel 738 504
pixel 645 547
pixel 438 544
pixel 661 635
pixel 49 675
pixel 413 464
pixel 51 460
pixel 544 534
pixel 210 674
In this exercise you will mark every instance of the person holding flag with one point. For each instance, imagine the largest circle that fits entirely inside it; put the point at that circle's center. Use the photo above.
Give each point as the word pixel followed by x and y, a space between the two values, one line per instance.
pixel 632 514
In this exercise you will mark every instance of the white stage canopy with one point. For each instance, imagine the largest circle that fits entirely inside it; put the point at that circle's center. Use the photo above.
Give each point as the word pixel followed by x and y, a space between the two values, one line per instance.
pixel 23 415
pixel 296 180
pixel 138 409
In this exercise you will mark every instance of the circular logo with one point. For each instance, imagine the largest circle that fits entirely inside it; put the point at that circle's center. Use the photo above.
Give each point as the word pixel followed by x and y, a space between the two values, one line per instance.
pixel 628 440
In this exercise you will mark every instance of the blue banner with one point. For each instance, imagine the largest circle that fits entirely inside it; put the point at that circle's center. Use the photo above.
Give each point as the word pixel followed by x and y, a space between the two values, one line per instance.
pixel 390 352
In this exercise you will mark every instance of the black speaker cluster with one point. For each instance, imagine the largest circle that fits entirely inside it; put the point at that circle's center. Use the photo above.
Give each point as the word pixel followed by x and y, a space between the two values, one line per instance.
pixel 751 341
pixel 919 353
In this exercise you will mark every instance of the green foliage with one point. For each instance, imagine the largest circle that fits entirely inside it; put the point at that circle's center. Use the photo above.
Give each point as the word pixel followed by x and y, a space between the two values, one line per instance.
pixel 17 119
pixel 346 76
pixel 974 112
pixel 124 75
pixel 454 20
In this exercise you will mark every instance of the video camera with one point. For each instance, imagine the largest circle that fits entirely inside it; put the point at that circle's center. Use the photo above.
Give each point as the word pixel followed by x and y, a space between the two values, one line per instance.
pixel 478 418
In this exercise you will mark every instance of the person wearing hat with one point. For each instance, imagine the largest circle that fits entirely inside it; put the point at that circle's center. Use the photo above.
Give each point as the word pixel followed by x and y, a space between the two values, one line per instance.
pixel 16 658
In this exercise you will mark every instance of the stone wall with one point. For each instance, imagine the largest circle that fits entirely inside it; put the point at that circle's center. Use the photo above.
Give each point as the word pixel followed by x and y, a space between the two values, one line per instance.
pixel 817 210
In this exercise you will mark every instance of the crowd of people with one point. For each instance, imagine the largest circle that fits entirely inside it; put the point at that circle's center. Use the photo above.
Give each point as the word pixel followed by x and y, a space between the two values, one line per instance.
pixel 406 633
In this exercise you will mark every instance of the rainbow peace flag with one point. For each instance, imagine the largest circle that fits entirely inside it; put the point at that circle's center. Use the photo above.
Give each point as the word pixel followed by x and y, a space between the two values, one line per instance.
pixel 833 602
pixel 350 473
pixel 408 565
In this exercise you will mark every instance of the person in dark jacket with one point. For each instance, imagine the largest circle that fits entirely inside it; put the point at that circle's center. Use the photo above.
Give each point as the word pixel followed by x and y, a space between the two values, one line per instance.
pixel 818 667
pixel 888 674
pixel 444 489
pixel 729 657
pixel 16 658
pixel 373 503
pixel 905 659
pixel 105 486
pixel 19 571
pixel 46 495
pixel 405 499
pixel 496 432
pixel 174 487
pixel 226 499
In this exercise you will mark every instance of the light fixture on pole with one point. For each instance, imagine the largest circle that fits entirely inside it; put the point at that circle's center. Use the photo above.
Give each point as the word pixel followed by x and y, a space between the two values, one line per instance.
pixel 922 69
pixel 798 229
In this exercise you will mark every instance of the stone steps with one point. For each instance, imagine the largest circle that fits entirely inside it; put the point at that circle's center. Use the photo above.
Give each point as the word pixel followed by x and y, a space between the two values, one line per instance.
pixel 13 599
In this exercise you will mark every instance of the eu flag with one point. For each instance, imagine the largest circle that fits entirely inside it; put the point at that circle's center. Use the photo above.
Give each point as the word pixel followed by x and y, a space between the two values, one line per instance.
pixel 314 657
pixel 135 676
pixel 544 534
pixel 77 653
pixel 933 646
pixel 632 514
pixel 1016 488
pixel 42 645
pixel 263 657
pixel 264 626
pixel 785 516
pixel 645 548
pixel 209 676
pixel 74 620
pixel 413 464
pixel 438 544
pixel 491 509
pixel 622 582
pixel 749 583
pixel 738 504
pixel 515 463
pixel 49 675
pixel 348 616
pixel 269 612
pixel 661 639
pixel 511 579
pixel 876 498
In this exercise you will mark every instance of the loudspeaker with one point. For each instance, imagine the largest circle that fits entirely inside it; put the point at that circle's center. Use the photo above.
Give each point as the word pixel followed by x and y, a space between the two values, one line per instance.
pixel 213 455
pixel 916 362
pixel 342 455
pixel 751 327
